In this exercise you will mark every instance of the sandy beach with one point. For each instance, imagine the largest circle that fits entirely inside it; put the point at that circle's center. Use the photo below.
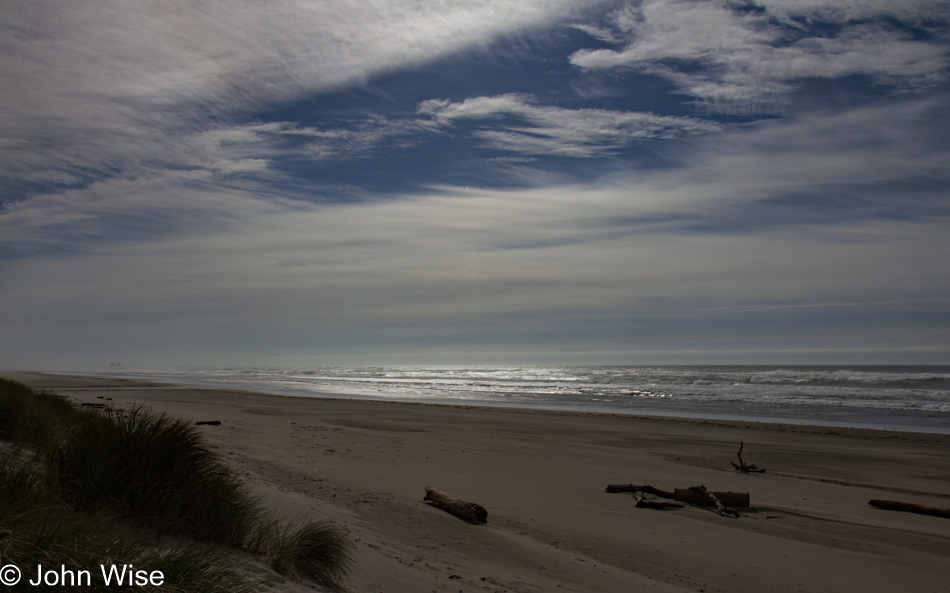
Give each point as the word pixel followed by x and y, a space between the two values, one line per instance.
pixel 541 475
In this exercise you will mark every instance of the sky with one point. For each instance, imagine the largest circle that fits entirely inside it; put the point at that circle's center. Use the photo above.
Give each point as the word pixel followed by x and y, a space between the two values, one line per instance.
pixel 316 182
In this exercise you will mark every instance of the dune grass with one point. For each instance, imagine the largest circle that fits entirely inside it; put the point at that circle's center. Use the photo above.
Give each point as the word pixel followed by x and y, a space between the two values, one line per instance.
pixel 32 417
pixel 155 470
pixel 317 550
pixel 103 480
pixel 41 529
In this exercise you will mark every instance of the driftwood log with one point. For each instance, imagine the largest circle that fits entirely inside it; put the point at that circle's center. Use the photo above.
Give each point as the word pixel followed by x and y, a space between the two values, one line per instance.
pixel 895 505
pixel 697 495
pixel 711 498
pixel 208 423
pixel 744 467
pixel 468 511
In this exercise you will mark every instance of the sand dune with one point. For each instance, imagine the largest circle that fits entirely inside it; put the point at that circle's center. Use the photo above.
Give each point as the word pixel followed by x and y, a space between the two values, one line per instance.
pixel 541 475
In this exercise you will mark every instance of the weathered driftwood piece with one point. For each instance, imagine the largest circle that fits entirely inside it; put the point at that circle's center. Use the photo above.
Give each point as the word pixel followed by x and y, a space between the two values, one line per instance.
pixel 469 511
pixel 643 503
pixel 743 466
pixel 208 423
pixel 636 488
pixel 711 498
pixel 689 495
pixel 692 496
pixel 895 505
pixel 698 495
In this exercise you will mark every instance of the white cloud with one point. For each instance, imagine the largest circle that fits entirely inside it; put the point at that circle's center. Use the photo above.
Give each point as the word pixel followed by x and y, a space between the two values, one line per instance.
pixel 360 138
pixel 749 60
pixel 559 131
pixel 251 147
pixel 111 85
pixel 604 34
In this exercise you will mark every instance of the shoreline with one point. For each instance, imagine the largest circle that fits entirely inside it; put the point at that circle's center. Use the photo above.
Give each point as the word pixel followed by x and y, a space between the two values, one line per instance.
pixel 155 383
pixel 541 474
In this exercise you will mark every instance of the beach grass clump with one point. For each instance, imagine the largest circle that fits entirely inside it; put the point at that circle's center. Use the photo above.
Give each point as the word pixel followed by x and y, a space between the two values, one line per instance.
pixel 32 417
pixel 39 528
pixel 318 550
pixel 200 569
pixel 156 470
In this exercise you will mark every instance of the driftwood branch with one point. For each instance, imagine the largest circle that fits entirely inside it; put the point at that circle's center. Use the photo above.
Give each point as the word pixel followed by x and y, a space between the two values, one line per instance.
pixel 643 503
pixel 744 467
pixel 723 509
pixel 636 488
pixel 468 511
pixel 894 505
pixel 698 495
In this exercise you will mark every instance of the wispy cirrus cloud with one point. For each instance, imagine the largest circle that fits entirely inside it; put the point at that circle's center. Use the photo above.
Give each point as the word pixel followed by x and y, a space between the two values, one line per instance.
pixel 342 139
pixel 516 123
pixel 747 58
pixel 93 89
pixel 846 165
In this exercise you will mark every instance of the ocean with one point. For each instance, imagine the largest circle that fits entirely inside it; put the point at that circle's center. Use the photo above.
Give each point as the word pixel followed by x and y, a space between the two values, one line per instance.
pixel 912 398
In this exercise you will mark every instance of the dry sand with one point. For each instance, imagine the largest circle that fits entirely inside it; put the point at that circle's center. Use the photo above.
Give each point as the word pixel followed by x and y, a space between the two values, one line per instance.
pixel 541 475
